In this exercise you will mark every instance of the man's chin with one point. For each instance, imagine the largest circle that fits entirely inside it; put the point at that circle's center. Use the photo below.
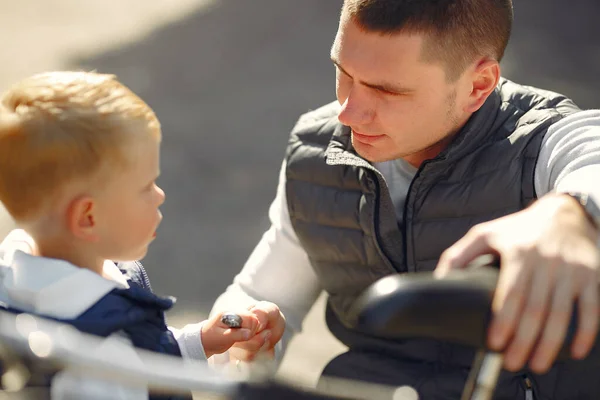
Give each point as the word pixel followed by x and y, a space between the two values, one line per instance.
pixel 373 154
pixel 378 155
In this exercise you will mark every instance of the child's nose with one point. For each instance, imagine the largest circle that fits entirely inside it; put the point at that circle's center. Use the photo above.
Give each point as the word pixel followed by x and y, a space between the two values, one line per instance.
pixel 161 195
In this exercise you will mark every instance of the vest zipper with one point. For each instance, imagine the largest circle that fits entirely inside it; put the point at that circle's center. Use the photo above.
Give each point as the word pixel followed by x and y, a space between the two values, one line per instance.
pixel 528 389
pixel 362 163
pixel 404 217
pixel 382 254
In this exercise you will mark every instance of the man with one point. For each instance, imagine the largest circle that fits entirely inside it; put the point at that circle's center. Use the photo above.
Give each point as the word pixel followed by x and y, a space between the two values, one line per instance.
pixel 427 160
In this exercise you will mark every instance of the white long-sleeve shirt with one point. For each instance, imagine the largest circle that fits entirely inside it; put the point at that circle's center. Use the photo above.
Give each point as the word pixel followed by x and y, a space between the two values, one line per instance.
pixel 278 270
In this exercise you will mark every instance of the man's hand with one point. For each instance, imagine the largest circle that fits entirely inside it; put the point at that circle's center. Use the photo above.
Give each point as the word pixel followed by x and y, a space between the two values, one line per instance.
pixel 549 259
pixel 271 325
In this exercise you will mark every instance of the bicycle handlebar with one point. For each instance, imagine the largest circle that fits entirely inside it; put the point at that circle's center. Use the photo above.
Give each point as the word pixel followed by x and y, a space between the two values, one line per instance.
pixel 454 309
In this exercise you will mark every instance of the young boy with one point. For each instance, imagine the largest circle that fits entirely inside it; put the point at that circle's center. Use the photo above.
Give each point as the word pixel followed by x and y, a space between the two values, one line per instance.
pixel 79 159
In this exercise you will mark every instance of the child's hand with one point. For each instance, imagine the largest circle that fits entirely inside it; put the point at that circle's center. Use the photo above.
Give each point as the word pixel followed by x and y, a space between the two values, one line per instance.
pixel 217 337
pixel 270 330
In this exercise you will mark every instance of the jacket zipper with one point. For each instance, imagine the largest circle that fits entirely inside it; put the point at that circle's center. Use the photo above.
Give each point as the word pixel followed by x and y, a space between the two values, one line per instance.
pixel 528 389
pixel 144 276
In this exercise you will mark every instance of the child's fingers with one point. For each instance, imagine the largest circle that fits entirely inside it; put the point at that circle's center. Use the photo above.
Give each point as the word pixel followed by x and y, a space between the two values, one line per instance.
pixel 248 320
pixel 238 335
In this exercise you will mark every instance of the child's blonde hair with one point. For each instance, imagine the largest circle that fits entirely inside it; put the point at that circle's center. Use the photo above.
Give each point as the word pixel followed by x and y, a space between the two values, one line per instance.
pixel 58 127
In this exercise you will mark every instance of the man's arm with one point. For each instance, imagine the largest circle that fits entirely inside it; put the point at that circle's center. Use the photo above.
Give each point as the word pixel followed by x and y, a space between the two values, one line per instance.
pixel 569 158
pixel 277 271
pixel 549 253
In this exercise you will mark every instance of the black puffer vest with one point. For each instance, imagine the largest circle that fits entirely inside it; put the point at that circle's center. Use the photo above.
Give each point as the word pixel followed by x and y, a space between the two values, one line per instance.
pixel 343 215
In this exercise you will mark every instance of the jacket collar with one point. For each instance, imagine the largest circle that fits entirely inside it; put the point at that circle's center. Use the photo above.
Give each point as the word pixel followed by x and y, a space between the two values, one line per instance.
pixel 53 288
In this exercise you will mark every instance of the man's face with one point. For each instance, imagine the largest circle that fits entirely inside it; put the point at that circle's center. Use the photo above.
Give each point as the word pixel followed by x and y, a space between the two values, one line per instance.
pixel 397 105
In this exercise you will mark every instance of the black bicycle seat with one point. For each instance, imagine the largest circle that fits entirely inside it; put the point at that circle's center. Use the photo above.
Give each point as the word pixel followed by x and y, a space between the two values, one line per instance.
pixel 455 309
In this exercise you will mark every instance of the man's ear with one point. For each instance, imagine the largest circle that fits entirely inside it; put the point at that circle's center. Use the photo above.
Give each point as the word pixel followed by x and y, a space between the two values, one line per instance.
pixel 82 220
pixel 485 78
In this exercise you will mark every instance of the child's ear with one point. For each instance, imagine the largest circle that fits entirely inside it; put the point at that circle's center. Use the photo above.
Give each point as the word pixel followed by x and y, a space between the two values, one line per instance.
pixel 485 78
pixel 82 218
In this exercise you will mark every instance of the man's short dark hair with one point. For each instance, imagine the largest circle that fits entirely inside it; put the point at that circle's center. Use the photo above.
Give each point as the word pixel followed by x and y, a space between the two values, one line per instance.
pixel 457 32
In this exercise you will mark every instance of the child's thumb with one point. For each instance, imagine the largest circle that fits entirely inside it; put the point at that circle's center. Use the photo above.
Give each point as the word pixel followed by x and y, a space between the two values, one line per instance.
pixel 239 335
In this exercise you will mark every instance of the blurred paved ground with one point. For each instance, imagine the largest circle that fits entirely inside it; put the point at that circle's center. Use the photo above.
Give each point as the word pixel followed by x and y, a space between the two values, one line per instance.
pixel 228 78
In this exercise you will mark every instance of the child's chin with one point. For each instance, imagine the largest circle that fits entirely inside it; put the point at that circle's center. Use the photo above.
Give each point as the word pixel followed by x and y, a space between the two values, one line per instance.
pixel 140 254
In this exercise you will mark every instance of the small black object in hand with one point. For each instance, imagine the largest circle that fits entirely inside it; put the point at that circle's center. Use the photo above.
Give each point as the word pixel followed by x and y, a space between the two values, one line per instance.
pixel 232 320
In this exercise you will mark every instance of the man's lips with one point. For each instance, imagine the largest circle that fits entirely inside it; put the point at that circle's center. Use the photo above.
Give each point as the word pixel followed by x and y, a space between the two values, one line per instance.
pixel 368 139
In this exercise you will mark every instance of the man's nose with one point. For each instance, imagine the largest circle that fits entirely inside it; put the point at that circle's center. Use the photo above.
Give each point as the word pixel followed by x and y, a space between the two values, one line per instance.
pixel 356 110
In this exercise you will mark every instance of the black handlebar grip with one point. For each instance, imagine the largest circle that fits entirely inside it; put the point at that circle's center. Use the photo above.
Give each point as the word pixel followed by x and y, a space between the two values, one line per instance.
pixel 455 309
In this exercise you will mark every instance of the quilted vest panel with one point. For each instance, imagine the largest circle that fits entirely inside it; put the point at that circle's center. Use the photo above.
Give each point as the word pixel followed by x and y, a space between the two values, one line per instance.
pixel 343 214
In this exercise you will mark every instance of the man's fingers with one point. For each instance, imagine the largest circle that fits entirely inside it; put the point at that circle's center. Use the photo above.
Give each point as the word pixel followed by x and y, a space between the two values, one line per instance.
pixel 261 315
pixel 587 328
pixel 248 356
pixel 509 300
pixel 246 351
pixel 557 323
pixel 237 353
pixel 588 303
pixel 255 343
pixel 269 317
pixel 531 319
pixel 475 243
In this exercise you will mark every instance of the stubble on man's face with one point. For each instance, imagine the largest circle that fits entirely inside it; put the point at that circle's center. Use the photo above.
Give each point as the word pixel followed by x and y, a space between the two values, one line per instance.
pixel 452 124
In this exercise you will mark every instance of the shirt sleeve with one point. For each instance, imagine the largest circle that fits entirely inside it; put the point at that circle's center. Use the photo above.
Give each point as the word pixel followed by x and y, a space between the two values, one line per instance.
pixel 569 159
pixel 189 339
pixel 278 271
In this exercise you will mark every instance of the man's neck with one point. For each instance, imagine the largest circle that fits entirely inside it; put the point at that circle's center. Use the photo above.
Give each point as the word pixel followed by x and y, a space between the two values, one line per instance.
pixel 435 149
pixel 429 153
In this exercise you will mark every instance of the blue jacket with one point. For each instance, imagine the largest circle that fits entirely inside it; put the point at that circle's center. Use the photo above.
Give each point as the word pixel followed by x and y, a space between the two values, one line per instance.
pixel 136 310
pixel 62 292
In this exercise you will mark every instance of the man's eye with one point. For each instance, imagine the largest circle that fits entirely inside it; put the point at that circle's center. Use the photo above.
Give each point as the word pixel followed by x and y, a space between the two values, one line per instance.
pixel 388 93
